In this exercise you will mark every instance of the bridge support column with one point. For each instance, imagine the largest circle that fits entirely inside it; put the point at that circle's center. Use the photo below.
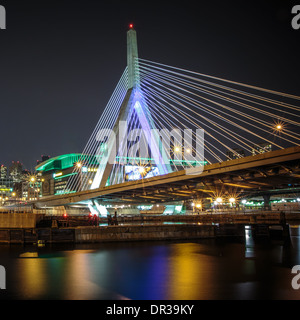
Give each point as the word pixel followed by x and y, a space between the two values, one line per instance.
pixel 267 203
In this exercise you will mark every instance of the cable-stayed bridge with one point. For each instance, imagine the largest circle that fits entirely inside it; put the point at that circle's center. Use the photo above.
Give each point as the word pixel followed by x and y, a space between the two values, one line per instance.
pixel 171 134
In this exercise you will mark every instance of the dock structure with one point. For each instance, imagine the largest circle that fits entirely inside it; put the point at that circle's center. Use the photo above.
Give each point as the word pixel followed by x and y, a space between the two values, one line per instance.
pixel 49 230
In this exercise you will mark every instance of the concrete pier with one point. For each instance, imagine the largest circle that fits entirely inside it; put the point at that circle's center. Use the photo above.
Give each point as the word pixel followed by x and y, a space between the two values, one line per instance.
pixel 144 233
pixel 106 234
pixel 19 220
pixel 33 228
pixel 150 232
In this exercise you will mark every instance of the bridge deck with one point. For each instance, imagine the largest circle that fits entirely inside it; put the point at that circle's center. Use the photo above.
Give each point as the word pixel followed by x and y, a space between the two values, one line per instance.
pixel 276 171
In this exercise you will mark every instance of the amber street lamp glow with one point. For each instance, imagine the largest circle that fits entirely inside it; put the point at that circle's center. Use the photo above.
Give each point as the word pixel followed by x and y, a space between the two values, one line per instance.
pixel 79 165
pixel 219 200
pixel 142 170
pixel 232 200
pixel 278 127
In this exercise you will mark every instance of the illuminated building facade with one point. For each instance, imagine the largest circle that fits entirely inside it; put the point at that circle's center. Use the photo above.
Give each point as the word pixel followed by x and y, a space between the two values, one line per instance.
pixel 16 171
pixel 6 189
pixel 235 154
pixel 261 148
pixel 3 172
pixel 54 173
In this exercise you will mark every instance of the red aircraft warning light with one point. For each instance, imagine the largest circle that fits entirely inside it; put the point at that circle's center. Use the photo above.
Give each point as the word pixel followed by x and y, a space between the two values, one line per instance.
pixel 131 26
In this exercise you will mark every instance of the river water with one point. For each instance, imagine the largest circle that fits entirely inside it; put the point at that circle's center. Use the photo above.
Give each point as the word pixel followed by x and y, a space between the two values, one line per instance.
pixel 185 270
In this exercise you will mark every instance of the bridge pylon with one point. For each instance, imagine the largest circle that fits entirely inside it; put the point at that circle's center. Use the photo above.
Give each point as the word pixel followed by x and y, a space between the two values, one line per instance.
pixel 133 105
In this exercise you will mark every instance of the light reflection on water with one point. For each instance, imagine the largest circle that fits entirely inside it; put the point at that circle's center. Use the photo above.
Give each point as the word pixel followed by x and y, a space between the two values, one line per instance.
pixel 190 270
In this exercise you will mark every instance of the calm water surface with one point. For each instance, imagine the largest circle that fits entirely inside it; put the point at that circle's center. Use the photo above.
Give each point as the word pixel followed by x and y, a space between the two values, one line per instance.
pixel 190 270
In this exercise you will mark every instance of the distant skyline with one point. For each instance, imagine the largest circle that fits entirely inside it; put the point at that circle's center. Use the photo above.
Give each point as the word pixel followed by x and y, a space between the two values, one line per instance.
pixel 61 60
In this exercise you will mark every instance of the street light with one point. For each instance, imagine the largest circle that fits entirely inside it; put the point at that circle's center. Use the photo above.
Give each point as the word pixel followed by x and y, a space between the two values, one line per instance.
pixel 219 200
pixel 142 171
pixel 278 127
pixel 78 165
pixel 32 184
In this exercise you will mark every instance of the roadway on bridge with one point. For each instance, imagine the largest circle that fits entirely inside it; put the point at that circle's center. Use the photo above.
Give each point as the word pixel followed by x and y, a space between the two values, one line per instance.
pixel 268 173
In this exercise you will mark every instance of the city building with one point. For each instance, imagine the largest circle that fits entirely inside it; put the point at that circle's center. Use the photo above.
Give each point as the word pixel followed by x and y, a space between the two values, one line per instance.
pixel 54 174
pixel 3 172
pixel 16 171
pixel 43 159
pixel 235 154
pixel 261 148
pixel 13 183
pixel 6 190
pixel 27 190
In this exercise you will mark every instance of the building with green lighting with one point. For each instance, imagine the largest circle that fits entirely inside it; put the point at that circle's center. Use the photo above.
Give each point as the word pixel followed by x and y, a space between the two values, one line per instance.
pixel 54 173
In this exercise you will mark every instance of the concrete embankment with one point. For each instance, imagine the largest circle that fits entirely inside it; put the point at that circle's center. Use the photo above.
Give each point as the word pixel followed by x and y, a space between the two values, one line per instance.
pixel 19 220
pixel 30 220
pixel 106 234
pixel 141 233
pixel 32 228
pixel 265 217
pixel 144 233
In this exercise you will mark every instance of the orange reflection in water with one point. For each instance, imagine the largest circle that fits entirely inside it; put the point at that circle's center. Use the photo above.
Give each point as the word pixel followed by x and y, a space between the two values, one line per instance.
pixel 191 275
pixel 77 283
pixel 80 280
pixel 32 278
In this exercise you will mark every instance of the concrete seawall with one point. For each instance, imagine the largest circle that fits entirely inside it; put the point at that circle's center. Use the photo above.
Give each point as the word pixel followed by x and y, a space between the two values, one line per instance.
pixel 33 228
pixel 143 233
pixel 19 220
pixel 107 234
pixel 39 220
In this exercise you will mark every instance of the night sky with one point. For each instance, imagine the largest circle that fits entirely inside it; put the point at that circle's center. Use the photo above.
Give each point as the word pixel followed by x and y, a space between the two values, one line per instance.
pixel 61 60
